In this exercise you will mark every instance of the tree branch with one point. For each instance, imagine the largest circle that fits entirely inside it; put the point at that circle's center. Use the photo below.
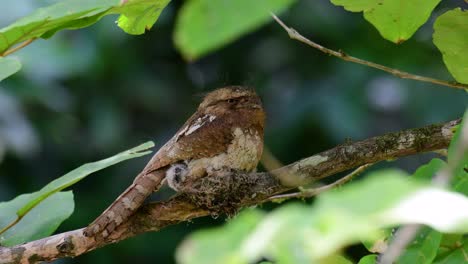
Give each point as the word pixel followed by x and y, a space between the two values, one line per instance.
pixel 293 34
pixel 242 190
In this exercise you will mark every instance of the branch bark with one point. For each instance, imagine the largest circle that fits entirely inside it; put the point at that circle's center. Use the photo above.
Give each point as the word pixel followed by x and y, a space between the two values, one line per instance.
pixel 208 196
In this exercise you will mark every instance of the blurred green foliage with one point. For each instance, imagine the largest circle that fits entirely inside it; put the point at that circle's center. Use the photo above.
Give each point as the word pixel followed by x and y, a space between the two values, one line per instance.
pixel 296 233
pixel 83 95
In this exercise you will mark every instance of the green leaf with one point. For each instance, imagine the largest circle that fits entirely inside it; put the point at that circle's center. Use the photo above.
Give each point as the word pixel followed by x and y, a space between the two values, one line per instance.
pixel 427 171
pixel 458 254
pixel 40 222
pixel 423 249
pixel 8 66
pixel 451 39
pixel 351 198
pixel 211 246
pixel 448 243
pixel 137 15
pixel 81 172
pixel 140 15
pixel 34 199
pixel 50 18
pixel 203 25
pixel 396 20
pixel 369 259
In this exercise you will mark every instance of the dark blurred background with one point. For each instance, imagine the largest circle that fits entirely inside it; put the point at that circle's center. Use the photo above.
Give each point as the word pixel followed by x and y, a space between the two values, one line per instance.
pixel 87 94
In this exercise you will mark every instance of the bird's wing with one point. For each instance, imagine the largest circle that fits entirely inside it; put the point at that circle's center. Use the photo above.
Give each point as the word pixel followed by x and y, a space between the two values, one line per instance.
pixel 201 136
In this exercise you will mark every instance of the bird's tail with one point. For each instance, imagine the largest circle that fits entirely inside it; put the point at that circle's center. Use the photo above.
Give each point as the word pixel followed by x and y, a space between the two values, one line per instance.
pixel 126 204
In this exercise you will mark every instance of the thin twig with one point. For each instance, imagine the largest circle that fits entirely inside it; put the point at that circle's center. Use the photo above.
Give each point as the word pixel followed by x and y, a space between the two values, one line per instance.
pixel 17 47
pixel 293 34
pixel 307 193
pixel 405 234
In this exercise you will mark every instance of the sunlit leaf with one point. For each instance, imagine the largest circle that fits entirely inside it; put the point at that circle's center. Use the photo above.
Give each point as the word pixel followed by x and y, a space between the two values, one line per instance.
pixel 50 18
pixel 451 39
pixel 136 16
pixel 140 15
pixel 396 20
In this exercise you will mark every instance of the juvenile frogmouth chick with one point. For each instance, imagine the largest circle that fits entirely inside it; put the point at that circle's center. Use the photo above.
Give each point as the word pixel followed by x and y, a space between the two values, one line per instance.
pixel 225 133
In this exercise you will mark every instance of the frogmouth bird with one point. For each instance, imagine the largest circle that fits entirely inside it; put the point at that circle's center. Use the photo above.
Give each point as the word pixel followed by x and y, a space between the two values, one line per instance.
pixel 225 133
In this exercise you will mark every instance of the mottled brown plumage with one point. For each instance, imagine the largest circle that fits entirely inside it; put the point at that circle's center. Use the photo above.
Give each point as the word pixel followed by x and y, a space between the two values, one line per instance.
pixel 226 132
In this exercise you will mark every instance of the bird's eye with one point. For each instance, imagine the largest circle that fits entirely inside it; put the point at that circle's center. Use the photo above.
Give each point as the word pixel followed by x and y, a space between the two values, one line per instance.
pixel 231 101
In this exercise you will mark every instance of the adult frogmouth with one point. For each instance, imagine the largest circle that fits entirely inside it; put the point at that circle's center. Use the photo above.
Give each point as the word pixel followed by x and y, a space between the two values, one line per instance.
pixel 225 133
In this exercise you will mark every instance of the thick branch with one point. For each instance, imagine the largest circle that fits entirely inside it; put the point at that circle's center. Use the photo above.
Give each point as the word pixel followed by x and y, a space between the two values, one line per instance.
pixel 243 190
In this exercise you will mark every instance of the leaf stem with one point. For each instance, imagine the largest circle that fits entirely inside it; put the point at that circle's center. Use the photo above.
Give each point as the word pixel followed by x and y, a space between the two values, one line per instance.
pixel 17 47
pixel 10 225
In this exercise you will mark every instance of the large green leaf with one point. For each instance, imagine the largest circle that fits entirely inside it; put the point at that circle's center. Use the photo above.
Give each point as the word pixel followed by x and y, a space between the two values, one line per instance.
pixel 8 66
pixel 140 15
pixel 137 15
pixel 396 20
pixel 81 172
pixel 451 38
pixel 205 25
pixel 32 200
pixel 423 249
pixel 297 233
pixel 40 222
pixel 51 17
